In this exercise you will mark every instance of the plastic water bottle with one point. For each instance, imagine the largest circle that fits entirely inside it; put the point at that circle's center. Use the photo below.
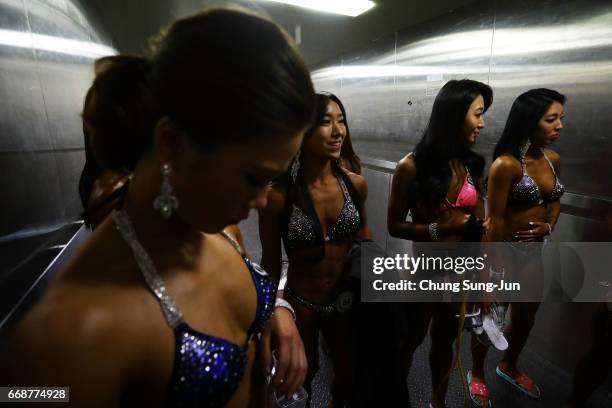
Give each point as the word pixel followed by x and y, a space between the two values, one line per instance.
pixel 296 400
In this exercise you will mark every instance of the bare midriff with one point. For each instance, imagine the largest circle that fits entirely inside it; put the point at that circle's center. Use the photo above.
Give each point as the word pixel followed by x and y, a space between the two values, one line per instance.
pixel 517 218
pixel 316 278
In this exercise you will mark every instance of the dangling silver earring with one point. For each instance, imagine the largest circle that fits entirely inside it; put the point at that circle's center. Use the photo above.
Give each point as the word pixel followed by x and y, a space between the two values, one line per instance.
pixel 166 202
pixel 295 167
pixel 524 148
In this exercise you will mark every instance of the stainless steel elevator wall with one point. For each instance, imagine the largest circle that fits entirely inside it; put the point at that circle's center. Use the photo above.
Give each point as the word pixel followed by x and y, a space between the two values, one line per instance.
pixel 47 50
pixel 389 85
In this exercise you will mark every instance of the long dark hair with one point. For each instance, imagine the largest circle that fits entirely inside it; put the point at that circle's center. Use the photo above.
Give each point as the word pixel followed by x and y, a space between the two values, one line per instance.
pixel 441 140
pixel 118 117
pixel 347 153
pixel 297 191
pixel 525 114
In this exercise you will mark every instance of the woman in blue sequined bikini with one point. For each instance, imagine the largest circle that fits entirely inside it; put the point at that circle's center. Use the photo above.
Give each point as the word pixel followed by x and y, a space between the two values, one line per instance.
pixel 317 210
pixel 159 308
pixel 523 205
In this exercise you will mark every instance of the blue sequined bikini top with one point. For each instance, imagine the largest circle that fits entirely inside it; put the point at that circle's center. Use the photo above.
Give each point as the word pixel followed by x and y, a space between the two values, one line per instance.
pixel 526 191
pixel 207 369
pixel 303 231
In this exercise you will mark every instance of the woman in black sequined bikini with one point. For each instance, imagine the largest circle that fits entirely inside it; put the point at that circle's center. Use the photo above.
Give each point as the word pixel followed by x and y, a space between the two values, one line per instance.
pixel 523 202
pixel 318 210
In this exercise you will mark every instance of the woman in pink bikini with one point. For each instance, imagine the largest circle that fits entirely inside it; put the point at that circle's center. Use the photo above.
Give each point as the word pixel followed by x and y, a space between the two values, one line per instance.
pixel 440 184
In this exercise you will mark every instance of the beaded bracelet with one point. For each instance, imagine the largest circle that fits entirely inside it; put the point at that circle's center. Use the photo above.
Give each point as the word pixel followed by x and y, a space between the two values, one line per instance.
pixel 433 231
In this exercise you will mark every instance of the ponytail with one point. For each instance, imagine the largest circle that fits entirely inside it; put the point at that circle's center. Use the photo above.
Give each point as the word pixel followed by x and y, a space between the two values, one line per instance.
pixel 118 112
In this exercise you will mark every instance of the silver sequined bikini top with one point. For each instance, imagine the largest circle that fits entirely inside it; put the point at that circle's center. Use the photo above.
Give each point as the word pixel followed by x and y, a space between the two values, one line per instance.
pixel 301 230
pixel 526 191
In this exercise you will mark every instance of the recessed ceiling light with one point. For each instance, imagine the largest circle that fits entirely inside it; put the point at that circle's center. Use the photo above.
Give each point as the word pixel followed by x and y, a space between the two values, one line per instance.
pixel 351 8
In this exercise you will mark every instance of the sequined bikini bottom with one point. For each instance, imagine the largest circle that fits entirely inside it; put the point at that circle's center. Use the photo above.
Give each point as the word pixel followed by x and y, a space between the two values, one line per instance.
pixel 343 303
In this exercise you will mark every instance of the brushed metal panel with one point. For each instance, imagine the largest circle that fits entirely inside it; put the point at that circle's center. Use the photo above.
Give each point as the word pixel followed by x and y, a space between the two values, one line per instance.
pixel 329 80
pixel 64 86
pixel 64 76
pixel 55 17
pixel 69 167
pixel 378 186
pixel 575 228
pixel 515 46
pixel 22 113
pixel 368 86
pixel 46 62
pixel 567 47
pixel 13 15
pixel 455 46
pixel 390 84
pixel 30 180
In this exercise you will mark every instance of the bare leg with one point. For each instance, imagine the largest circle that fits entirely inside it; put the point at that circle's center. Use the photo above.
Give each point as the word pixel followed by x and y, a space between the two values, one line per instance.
pixel 479 354
pixel 522 318
pixel 308 324
pixel 418 318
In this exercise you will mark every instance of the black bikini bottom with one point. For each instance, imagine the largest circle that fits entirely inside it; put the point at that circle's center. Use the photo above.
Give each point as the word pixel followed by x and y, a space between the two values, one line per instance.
pixel 343 303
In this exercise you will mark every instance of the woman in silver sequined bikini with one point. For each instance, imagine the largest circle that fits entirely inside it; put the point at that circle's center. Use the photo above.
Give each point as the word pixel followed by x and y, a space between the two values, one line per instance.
pixel 523 205
pixel 158 308
pixel 317 211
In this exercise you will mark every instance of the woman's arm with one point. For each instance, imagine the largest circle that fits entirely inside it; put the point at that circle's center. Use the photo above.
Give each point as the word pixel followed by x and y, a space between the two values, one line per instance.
pixel 503 172
pixel 479 211
pixel 362 188
pixel 554 208
pixel 270 227
pixel 399 204
pixel 280 333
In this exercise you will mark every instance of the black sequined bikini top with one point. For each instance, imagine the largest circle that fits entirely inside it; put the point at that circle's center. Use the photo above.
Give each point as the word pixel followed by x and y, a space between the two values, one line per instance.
pixel 302 230
pixel 526 191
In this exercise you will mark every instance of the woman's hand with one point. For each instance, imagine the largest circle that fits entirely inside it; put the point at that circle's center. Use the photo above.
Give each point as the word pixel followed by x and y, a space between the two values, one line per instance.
pixel 281 334
pixel 538 230
pixel 455 226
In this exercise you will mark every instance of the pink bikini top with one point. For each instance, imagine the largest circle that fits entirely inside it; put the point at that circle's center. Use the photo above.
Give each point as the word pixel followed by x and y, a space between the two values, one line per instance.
pixel 467 197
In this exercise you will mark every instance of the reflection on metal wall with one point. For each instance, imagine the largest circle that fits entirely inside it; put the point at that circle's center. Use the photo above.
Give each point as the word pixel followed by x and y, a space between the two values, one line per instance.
pixel 47 48
pixel 389 87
